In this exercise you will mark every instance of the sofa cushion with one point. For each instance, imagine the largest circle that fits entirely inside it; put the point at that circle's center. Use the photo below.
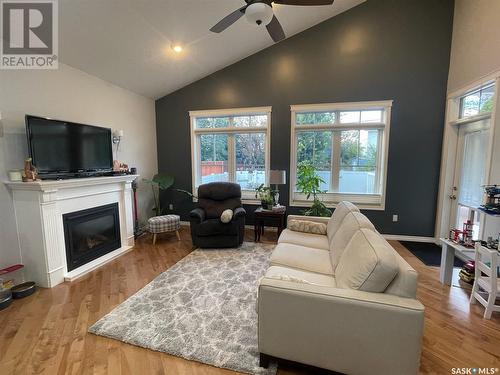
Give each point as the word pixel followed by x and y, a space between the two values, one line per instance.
pixel 317 241
pixel 299 276
pixel 302 258
pixel 349 226
pixel 368 263
pixel 214 227
pixel 342 209
pixel 405 282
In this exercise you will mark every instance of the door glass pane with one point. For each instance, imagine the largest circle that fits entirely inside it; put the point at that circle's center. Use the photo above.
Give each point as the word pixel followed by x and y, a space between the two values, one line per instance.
pixel 358 161
pixel 470 104
pixel 213 151
pixel 470 192
pixel 250 160
pixel 316 147
pixel 479 101
pixel 486 102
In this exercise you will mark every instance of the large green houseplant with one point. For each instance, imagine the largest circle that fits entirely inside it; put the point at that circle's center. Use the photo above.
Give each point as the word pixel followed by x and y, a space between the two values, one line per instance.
pixel 308 183
pixel 158 183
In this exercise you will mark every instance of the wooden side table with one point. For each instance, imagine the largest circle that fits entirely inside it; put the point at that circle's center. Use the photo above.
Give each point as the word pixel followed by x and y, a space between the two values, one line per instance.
pixel 268 218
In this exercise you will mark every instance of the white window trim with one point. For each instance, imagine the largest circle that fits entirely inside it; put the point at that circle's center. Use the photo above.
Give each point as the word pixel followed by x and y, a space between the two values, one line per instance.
pixel 364 201
pixel 248 196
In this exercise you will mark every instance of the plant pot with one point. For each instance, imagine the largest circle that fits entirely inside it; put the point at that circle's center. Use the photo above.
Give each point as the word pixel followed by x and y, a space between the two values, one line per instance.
pixel 266 205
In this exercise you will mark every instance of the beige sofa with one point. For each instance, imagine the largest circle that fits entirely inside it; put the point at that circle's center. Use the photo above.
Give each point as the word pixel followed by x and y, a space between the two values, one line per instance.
pixel 345 301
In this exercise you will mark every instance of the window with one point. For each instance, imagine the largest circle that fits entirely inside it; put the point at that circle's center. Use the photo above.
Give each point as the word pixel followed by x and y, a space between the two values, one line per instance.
pixel 477 102
pixel 231 145
pixel 347 144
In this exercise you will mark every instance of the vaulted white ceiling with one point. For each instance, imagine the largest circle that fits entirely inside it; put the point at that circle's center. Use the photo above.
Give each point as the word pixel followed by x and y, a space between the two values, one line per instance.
pixel 128 42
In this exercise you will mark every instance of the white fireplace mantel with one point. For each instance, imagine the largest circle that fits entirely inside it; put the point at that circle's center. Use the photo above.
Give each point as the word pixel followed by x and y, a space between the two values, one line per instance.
pixel 39 209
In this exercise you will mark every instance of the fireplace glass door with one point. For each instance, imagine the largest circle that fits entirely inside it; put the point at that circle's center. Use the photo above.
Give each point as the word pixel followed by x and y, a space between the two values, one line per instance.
pixel 90 234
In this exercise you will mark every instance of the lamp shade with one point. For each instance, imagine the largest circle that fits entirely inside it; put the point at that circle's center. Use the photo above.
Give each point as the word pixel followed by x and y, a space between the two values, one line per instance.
pixel 277 177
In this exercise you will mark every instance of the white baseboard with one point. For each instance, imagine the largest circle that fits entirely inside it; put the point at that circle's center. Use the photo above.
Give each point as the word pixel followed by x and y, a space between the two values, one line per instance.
pixel 397 237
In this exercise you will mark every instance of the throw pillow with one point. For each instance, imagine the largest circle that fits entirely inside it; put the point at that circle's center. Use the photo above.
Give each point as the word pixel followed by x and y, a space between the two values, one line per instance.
pixel 226 216
pixel 306 226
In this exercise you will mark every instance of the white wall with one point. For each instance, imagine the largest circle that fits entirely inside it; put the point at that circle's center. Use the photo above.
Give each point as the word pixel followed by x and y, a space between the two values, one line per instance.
pixel 475 48
pixel 475 53
pixel 70 94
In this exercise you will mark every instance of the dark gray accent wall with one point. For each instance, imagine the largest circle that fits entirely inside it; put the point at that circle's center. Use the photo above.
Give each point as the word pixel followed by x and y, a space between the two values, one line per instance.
pixel 381 49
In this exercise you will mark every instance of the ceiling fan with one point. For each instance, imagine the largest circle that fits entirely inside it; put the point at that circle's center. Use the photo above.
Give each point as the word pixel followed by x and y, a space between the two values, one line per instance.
pixel 260 13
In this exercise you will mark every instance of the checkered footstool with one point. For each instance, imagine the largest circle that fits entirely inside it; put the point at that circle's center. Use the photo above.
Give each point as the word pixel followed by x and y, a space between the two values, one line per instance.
pixel 165 223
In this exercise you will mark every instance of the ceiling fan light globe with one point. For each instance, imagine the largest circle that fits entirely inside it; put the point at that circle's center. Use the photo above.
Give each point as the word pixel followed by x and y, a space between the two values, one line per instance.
pixel 259 14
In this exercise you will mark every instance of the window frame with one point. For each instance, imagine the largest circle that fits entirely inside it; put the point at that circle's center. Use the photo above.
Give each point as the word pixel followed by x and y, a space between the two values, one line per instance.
pixel 365 201
pixel 248 196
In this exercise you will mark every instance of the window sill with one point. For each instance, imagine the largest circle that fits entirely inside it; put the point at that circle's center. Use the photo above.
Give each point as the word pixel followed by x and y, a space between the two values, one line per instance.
pixel 363 201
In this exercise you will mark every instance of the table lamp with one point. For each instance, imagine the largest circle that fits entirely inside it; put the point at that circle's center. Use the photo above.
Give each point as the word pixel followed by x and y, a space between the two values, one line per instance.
pixel 276 177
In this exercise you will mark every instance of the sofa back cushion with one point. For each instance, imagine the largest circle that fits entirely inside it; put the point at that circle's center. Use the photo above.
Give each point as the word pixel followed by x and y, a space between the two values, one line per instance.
pixel 368 263
pixel 216 197
pixel 342 209
pixel 351 223
pixel 405 282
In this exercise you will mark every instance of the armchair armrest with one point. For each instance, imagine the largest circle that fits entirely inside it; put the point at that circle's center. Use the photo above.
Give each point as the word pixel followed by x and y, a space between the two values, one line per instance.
pixel 343 330
pixel 197 214
pixel 239 212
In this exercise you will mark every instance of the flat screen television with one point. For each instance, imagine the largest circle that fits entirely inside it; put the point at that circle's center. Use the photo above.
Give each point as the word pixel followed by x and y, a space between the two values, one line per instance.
pixel 63 149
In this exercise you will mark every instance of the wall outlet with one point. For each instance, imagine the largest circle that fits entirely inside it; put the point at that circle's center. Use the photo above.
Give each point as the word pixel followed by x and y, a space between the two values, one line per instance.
pixel 395 218
pixel 170 206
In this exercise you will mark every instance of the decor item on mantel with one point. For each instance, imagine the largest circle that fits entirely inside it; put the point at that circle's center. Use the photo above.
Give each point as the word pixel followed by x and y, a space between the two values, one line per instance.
pixel 30 171
pixel 15 175
pixel 119 167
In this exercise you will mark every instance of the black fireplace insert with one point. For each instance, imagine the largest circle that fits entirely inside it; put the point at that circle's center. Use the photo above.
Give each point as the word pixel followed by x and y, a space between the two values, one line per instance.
pixel 91 233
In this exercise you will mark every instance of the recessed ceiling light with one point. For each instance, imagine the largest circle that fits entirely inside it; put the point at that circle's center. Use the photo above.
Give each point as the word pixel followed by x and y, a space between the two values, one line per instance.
pixel 177 48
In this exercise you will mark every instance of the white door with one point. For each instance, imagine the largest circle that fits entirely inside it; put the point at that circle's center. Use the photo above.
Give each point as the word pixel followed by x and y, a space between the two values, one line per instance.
pixel 470 172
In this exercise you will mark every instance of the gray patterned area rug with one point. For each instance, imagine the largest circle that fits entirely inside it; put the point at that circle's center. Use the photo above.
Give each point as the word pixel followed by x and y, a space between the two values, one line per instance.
pixel 203 309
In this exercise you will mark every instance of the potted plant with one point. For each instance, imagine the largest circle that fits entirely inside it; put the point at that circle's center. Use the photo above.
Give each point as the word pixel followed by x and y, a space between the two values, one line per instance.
pixel 308 183
pixel 264 193
pixel 159 182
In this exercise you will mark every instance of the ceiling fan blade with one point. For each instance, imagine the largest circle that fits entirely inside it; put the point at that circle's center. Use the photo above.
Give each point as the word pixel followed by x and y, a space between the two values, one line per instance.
pixel 275 30
pixel 304 2
pixel 227 21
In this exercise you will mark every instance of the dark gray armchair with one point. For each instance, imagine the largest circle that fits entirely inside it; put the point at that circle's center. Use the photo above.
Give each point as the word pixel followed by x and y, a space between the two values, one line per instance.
pixel 207 231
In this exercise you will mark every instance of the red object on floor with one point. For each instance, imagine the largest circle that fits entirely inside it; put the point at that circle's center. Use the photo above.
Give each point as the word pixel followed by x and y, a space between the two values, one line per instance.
pixel 10 269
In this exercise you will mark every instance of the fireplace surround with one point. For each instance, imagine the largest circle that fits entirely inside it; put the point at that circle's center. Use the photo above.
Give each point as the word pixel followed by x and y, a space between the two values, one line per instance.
pixel 41 208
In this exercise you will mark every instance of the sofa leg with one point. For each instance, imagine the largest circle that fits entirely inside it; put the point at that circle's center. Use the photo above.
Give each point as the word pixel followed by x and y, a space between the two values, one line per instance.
pixel 264 360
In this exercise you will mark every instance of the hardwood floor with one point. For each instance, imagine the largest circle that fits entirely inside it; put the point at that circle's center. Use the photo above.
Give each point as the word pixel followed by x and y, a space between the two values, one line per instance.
pixel 47 332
